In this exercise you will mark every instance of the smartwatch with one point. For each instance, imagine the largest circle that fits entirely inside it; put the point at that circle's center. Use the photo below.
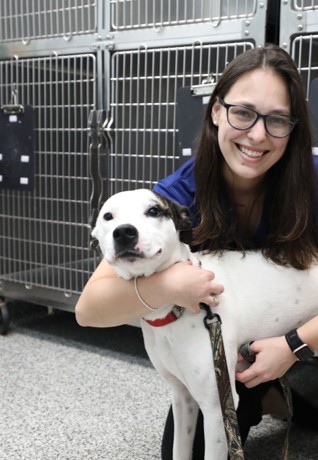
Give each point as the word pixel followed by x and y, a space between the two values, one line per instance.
pixel 298 347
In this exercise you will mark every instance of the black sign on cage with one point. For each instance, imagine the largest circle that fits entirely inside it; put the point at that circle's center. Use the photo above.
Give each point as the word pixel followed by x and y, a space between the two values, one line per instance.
pixel 191 106
pixel 16 147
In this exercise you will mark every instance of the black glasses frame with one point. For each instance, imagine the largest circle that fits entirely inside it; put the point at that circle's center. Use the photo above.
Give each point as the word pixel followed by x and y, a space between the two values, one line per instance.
pixel 291 120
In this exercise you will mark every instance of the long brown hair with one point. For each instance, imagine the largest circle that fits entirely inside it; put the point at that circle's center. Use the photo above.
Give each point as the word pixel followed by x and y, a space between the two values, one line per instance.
pixel 290 236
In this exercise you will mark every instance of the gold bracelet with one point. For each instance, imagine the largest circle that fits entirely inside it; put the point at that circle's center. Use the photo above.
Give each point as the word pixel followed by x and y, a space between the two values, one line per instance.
pixel 139 296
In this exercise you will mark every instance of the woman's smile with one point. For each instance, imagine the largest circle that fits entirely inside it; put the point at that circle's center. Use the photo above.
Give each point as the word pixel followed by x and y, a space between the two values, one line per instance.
pixel 251 152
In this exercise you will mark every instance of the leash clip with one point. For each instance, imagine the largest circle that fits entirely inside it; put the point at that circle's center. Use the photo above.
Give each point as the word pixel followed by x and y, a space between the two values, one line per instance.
pixel 210 317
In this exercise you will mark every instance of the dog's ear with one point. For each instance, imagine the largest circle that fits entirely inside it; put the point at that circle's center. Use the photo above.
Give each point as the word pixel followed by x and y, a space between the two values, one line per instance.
pixel 94 243
pixel 182 219
pixel 183 222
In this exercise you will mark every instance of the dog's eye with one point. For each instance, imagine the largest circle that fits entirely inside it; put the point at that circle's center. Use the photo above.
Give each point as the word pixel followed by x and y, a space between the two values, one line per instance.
pixel 154 212
pixel 108 216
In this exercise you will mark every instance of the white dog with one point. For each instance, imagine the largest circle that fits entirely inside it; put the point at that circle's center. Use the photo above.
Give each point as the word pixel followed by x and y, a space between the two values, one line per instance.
pixel 140 233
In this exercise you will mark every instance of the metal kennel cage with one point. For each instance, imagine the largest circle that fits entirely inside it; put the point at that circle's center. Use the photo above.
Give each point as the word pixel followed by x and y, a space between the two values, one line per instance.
pixel 166 22
pixel 28 21
pixel 48 64
pixel 144 13
pixel 44 237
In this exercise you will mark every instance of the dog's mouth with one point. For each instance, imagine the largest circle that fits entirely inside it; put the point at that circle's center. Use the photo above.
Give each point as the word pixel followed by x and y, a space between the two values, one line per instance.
pixel 129 254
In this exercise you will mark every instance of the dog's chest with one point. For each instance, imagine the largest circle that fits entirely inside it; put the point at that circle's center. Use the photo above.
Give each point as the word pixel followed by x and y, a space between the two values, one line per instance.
pixel 179 348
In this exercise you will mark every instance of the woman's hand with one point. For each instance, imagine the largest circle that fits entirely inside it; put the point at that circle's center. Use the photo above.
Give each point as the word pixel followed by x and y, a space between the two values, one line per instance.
pixel 273 359
pixel 189 285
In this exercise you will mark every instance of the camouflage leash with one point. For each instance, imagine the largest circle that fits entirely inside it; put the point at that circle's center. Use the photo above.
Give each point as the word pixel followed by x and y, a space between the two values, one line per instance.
pixel 213 324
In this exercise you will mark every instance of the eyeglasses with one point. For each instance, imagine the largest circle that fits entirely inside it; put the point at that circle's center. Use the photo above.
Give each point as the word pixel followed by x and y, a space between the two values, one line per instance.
pixel 243 118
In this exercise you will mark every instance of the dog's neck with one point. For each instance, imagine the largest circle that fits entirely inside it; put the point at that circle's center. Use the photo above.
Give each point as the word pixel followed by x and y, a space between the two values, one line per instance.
pixel 182 254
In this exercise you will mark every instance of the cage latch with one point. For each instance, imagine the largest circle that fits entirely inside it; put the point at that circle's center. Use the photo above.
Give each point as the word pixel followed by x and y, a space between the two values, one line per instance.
pixel 205 88
pixel 13 108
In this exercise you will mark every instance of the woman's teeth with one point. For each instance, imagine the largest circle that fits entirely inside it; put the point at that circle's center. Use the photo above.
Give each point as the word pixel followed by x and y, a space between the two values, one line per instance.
pixel 250 153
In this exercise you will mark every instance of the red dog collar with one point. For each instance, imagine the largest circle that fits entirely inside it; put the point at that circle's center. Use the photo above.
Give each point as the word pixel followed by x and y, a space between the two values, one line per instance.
pixel 175 314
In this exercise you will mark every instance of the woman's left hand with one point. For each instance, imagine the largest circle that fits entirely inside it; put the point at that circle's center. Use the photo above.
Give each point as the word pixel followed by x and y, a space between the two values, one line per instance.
pixel 273 359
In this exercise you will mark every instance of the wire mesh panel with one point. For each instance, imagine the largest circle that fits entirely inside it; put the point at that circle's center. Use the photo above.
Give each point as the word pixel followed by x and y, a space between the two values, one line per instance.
pixel 30 19
pixel 127 14
pixel 303 5
pixel 144 85
pixel 304 51
pixel 44 238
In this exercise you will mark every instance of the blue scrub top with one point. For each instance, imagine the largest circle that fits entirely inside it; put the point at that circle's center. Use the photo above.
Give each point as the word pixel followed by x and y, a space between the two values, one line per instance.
pixel 179 186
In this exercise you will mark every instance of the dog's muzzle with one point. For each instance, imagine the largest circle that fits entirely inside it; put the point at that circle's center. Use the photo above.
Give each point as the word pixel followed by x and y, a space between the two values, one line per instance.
pixel 125 239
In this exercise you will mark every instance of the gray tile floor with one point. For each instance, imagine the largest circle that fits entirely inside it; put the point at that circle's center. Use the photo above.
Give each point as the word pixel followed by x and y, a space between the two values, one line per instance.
pixel 73 393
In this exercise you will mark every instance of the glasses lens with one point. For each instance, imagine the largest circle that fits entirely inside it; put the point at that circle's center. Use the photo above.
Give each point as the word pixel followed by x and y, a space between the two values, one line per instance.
pixel 241 117
pixel 278 125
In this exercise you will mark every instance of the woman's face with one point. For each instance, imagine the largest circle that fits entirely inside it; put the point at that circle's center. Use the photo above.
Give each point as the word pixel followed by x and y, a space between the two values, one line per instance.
pixel 250 154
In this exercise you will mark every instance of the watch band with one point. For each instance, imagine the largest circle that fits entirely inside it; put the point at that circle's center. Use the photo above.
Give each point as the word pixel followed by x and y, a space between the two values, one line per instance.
pixel 298 347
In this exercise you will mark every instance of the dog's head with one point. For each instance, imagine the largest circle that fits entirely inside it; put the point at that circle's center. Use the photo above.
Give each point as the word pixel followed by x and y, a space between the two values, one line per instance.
pixel 140 232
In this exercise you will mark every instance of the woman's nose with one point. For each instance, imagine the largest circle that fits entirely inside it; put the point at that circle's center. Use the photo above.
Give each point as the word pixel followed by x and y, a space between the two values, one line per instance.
pixel 258 131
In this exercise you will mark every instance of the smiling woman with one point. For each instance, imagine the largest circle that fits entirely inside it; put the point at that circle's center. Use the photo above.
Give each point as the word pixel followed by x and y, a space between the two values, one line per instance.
pixel 247 189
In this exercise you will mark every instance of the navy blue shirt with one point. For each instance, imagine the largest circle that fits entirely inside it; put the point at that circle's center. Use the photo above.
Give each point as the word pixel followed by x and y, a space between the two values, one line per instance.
pixel 180 186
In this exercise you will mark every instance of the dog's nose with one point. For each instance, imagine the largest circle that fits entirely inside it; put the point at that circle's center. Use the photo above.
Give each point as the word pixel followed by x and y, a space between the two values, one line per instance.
pixel 125 234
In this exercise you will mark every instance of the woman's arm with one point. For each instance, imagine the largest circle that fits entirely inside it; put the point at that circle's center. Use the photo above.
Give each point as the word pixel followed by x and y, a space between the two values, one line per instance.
pixel 308 333
pixel 274 357
pixel 108 300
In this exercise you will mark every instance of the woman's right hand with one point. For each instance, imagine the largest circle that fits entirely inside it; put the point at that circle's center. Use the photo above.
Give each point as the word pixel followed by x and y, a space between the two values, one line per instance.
pixel 188 285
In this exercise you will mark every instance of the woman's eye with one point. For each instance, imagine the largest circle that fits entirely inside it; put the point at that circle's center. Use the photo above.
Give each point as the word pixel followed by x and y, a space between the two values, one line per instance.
pixel 278 121
pixel 108 216
pixel 242 113
pixel 154 212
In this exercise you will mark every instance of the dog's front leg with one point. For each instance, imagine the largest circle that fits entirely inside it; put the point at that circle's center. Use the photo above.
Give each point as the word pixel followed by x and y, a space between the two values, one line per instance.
pixel 214 435
pixel 185 415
